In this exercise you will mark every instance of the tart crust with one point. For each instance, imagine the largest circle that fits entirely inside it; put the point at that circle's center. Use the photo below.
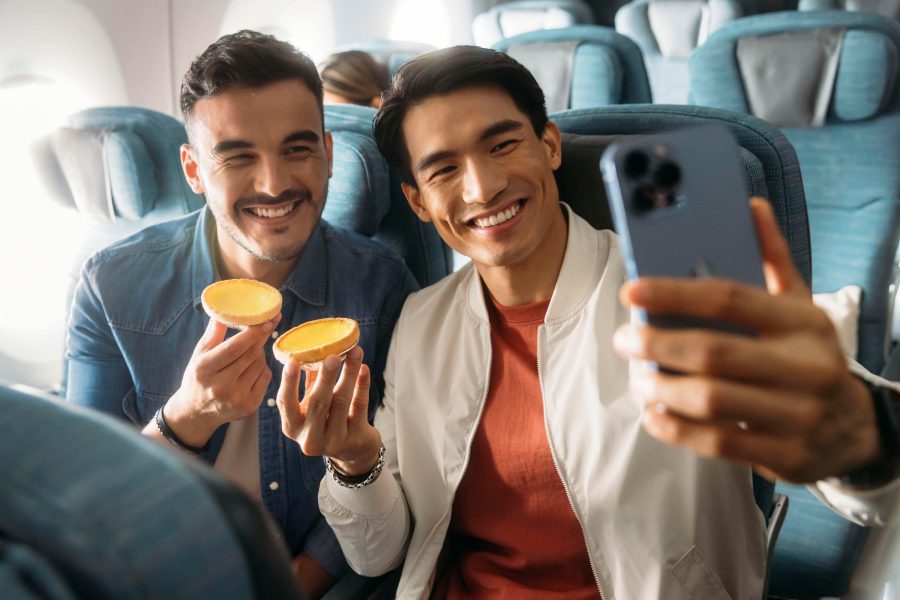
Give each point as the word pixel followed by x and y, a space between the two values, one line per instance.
pixel 321 346
pixel 221 302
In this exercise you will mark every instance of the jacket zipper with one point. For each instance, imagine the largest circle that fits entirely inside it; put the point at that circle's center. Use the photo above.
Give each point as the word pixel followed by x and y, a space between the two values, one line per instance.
pixel 559 471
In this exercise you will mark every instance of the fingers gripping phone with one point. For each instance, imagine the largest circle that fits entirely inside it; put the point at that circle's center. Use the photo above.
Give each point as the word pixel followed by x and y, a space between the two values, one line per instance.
pixel 680 206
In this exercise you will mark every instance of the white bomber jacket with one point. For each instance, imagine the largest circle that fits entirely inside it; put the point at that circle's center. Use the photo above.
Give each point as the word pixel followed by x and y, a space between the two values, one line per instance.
pixel 658 521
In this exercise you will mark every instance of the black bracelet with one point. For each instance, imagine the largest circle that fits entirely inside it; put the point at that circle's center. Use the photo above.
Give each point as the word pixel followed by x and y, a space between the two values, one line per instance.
pixel 887 468
pixel 173 439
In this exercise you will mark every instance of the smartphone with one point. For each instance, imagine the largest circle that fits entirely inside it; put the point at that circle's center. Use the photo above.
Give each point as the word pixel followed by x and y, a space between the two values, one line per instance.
pixel 680 207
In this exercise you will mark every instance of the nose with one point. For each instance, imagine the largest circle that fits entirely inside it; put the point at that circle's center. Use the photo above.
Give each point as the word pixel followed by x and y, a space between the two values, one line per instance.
pixel 273 177
pixel 482 180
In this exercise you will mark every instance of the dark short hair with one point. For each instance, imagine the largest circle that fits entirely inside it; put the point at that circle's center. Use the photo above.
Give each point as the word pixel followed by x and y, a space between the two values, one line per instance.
pixel 444 71
pixel 355 75
pixel 246 59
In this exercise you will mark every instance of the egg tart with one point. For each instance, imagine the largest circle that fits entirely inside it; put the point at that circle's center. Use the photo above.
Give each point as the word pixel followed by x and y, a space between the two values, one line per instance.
pixel 309 343
pixel 239 303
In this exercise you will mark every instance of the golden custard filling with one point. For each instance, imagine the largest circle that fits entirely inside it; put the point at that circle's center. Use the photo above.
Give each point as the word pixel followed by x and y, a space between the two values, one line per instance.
pixel 241 301
pixel 313 341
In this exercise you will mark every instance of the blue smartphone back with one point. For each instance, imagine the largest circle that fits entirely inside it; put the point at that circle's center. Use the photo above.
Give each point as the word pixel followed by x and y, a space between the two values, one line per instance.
pixel 680 206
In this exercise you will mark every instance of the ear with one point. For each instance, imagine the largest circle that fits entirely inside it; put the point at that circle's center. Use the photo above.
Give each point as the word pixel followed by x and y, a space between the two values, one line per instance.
pixel 329 151
pixel 191 169
pixel 414 198
pixel 552 140
pixel 376 102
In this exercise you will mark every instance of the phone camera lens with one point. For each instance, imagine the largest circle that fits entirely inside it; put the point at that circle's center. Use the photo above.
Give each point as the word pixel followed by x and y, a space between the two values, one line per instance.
pixel 666 175
pixel 636 164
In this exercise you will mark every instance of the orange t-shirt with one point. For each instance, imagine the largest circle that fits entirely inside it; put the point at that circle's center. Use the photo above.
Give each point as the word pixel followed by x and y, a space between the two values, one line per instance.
pixel 513 533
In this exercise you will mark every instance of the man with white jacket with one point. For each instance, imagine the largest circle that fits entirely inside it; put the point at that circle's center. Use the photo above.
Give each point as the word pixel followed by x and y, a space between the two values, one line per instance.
pixel 512 456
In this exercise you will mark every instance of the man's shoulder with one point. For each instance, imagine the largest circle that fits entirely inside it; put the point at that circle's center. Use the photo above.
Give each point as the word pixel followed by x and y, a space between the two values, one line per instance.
pixel 152 244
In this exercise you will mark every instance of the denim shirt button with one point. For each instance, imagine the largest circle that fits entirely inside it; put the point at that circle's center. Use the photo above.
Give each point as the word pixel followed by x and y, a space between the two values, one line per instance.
pixel 271 402
pixel 274 335
pixel 273 486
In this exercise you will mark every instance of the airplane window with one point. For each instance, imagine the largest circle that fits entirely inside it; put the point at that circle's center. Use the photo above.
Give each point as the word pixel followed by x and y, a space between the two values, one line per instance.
pixel 35 234
pixel 421 21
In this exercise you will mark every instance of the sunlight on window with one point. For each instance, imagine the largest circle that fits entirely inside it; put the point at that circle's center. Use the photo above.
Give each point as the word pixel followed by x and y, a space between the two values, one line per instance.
pixel 36 235
pixel 421 21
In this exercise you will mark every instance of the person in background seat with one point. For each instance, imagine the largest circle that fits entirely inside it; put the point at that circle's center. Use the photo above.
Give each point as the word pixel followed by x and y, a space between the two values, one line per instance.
pixel 139 343
pixel 353 77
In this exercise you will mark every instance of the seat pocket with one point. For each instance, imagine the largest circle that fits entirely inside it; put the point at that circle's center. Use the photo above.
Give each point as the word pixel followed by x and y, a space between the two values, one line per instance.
pixel 697 578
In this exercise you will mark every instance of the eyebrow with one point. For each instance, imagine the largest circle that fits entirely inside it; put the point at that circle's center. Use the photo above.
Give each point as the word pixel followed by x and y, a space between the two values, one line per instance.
pixel 304 135
pixel 495 129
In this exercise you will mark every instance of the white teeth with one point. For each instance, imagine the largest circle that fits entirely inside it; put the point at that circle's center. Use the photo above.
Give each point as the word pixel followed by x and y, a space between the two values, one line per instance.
pixel 499 218
pixel 269 213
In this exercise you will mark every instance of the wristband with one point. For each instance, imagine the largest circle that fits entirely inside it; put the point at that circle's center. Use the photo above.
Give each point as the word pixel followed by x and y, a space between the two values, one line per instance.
pixel 359 481
pixel 173 439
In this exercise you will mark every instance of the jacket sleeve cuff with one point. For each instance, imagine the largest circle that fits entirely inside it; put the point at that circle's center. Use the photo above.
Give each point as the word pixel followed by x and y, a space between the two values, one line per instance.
pixel 374 499
pixel 868 507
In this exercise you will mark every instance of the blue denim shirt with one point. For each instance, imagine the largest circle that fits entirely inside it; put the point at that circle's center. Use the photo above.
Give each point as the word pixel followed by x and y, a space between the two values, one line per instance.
pixel 136 318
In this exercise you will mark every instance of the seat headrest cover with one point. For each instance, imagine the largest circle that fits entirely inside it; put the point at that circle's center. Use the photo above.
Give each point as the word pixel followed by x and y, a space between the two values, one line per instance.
pixel 132 175
pixel 673 28
pixel 789 77
pixel 551 65
pixel 865 74
pixel 514 22
pixel 678 25
pixel 607 67
pixel 81 158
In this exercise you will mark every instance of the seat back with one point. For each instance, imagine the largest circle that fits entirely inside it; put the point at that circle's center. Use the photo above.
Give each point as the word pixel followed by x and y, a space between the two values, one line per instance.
pixel 769 161
pixel 885 8
pixel 667 32
pixel 122 517
pixel 119 169
pixel 513 18
pixel 391 53
pixel 364 196
pixel 581 66
pixel 842 118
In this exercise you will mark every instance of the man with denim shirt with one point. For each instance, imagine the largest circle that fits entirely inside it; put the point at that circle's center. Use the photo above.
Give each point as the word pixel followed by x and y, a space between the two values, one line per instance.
pixel 259 152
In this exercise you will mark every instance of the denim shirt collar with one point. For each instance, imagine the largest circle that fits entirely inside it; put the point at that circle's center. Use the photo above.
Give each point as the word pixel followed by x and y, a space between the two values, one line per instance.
pixel 308 281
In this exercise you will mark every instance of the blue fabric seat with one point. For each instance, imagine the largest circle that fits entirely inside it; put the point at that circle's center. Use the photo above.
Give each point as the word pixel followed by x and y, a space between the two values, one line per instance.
pixel 119 169
pixel 91 509
pixel 364 195
pixel 667 33
pixel 582 66
pixel 842 117
pixel 521 16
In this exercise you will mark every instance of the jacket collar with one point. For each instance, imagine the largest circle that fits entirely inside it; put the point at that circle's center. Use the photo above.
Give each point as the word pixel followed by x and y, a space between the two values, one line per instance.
pixel 308 281
pixel 582 267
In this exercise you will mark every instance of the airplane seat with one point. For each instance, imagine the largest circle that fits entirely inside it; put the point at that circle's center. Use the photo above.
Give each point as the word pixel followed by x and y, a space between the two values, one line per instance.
pixel 827 79
pixel 512 18
pixel 885 8
pixel 391 53
pixel 581 66
pixel 667 32
pixel 119 169
pixel 364 196
pixel 772 172
pixel 121 516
